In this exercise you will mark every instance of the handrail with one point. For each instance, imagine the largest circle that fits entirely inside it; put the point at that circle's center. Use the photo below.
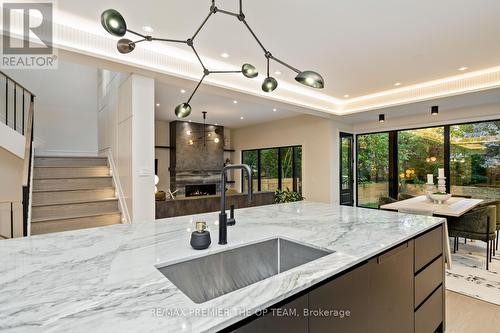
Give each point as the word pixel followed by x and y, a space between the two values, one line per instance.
pixel 17 83
pixel 28 144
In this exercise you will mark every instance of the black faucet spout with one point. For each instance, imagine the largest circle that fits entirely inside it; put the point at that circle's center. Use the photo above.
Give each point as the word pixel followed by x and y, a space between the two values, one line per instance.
pixel 223 221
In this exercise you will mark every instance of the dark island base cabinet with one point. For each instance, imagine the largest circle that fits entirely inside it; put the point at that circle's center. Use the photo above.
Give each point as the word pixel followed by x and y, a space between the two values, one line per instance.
pixel 401 290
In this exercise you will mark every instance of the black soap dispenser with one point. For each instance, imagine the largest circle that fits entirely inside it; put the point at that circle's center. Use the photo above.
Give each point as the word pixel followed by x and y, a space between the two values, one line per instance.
pixel 200 239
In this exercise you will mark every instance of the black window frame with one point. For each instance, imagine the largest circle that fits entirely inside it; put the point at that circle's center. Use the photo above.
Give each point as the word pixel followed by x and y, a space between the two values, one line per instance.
pixel 279 163
pixel 393 154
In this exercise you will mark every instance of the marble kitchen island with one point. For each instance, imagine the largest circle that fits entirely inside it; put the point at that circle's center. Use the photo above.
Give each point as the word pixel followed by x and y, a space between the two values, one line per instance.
pixel 105 279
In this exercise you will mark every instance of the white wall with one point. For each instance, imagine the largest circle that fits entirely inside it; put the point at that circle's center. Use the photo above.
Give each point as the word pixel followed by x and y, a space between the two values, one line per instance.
pixel 126 129
pixel 12 141
pixel 11 173
pixel 65 108
pixel 319 138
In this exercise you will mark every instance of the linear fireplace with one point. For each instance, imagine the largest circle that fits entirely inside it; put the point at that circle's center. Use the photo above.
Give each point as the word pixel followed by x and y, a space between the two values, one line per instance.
pixel 200 190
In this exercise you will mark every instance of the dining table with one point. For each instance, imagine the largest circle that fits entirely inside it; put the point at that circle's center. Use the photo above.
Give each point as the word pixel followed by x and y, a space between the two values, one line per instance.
pixel 450 209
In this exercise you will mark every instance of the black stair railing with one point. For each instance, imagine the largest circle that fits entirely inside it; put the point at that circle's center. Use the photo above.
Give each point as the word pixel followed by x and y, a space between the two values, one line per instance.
pixel 18 113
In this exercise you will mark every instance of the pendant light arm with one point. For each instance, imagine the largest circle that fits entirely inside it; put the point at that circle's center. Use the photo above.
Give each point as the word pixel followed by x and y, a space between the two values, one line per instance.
pixel 225 72
pixel 255 36
pixel 227 12
pixel 267 66
pixel 284 64
pixel 169 40
pixel 241 7
pixel 203 23
pixel 137 34
pixel 195 89
pixel 198 56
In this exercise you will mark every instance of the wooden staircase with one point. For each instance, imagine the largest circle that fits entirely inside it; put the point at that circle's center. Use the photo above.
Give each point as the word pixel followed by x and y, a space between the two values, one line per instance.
pixel 72 193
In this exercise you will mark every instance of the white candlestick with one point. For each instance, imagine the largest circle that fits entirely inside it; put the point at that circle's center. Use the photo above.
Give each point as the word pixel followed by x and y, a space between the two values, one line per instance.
pixel 440 173
pixel 430 179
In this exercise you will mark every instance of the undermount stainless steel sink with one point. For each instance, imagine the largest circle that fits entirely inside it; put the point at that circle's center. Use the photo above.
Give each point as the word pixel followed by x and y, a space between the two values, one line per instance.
pixel 211 276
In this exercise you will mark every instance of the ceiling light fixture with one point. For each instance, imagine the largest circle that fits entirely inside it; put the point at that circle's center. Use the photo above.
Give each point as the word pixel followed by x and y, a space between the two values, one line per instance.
pixel 277 73
pixel 183 91
pixel 157 104
pixel 397 84
pixel 274 110
pixel 235 102
pixel 224 55
pixel 346 96
pixel 205 134
pixel 434 110
pixel 381 117
pixel 242 118
pixel 464 68
pixel 147 29
pixel 114 23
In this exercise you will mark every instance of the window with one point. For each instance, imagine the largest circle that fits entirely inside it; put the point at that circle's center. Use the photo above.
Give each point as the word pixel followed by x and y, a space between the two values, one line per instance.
pixel 274 168
pixel 420 152
pixel 250 157
pixel 373 168
pixel 475 160
pixel 397 162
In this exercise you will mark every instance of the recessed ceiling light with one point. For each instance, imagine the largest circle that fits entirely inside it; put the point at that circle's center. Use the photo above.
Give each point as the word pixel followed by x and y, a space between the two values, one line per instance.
pixel 397 84
pixel 274 110
pixel 157 104
pixel 190 120
pixel 346 96
pixel 235 102
pixel 224 55
pixel 242 118
pixel 148 29
pixel 183 91
pixel 216 124
pixel 277 73
pixel 464 68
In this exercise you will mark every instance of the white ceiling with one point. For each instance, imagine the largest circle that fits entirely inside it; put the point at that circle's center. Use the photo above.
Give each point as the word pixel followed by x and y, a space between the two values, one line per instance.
pixel 361 47
pixel 220 106
pixel 446 105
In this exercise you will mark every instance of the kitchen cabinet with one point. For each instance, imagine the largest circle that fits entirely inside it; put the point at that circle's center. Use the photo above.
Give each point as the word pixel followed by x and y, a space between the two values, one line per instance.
pixel 400 290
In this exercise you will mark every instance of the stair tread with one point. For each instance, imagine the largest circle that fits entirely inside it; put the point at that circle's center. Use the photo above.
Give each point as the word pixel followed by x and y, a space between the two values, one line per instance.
pixel 76 202
pixel 72 216
pixel 52 156
pixel 77 190
pixel 78 177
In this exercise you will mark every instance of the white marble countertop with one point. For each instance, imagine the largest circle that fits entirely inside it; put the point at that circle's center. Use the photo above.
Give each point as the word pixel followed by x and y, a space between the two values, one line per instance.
pixel 105 280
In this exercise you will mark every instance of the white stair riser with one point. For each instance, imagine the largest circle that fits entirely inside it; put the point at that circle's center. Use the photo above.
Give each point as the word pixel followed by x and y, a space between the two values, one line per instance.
pixel 77 209
pixel 81 172
pixel 44 198
pixel 71 184
pixel 74 224
pixel 70 161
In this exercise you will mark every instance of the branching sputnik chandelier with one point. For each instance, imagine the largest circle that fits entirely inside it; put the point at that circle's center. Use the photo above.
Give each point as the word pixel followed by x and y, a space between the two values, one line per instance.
pixel 115 24
pixel 205 135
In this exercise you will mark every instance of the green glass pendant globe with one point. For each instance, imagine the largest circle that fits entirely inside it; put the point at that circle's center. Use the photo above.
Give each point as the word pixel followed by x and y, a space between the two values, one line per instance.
pixel 113 22
pixel 183 110
pixel 269 84
pixel 249 71
pixel 310 79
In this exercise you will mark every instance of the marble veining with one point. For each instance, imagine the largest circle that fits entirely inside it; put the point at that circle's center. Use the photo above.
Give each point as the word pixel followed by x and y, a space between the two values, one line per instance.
pixel 105 280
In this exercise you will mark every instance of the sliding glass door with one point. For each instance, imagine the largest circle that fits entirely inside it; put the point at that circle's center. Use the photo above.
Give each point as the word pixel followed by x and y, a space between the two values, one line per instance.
pixel 372 168
pixel 419 152
pixel 397 162
pixel 346 169
pixel 475 160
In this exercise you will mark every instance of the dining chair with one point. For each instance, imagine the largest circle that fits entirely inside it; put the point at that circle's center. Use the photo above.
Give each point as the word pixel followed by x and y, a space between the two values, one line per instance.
pixel 478 224
pixel 405 196
pixel 385 200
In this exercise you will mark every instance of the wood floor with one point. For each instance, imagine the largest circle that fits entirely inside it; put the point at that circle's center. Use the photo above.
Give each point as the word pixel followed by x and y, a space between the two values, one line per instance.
pixel 467 314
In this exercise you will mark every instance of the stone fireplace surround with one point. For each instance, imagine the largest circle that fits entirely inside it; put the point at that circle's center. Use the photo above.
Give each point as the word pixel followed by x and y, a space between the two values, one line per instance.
pixel 198 163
